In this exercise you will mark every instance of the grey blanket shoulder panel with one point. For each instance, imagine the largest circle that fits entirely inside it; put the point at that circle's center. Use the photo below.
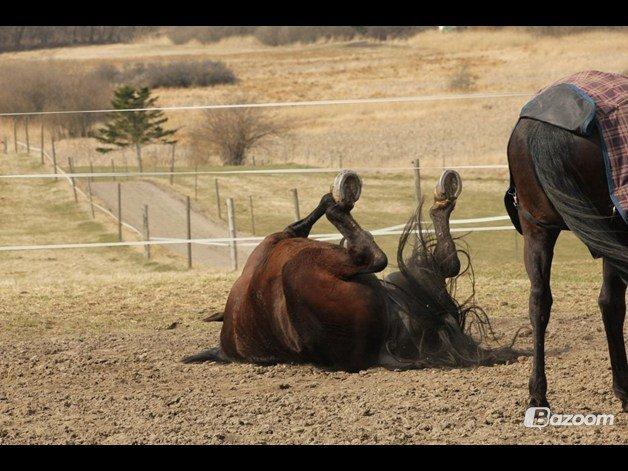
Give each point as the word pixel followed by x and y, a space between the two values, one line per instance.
pixel 563 105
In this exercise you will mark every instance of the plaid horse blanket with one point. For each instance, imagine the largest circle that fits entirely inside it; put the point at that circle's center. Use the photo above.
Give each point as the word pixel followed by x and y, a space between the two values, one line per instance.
pixel 604 97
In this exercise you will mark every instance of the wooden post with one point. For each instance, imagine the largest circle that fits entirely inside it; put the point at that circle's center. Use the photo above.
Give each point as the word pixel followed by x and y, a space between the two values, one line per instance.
pixel 71 165
pixel 196 182
pixel 172 164
pixel 253 158
pixel 5 145
pixel 295 204
pixel 217 198
pixel 91 199
pixel 252 214
pixel 120 212
pixel 146 232
pixel 189 230
pixel 15 135
pixel 233 252
pixel 113 169
pixel 126 161
pixel 54 155
pixel 91 169
pixel 28 142
pixel 417 180
pixel 41 152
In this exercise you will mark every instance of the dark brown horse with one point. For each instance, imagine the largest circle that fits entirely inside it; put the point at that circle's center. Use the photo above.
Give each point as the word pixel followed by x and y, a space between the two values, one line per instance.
pixel 561 184
pixel 301 300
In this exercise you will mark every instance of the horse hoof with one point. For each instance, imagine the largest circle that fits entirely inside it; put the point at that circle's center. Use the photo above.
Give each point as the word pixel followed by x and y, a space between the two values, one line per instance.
pixel 534 402
pixel 346 188
pixel 449 186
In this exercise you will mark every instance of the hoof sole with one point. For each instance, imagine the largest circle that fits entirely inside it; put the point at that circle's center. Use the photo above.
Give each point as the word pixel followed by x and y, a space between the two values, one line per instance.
pixel 449 186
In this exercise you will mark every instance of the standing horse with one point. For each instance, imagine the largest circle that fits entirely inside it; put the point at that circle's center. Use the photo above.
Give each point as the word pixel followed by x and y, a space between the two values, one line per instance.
pixel 560 178
pixel 301 300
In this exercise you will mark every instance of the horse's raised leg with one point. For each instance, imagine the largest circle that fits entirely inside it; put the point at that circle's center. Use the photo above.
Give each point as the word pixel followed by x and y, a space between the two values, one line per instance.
pixel 538 253
pixel 445 196
pixel 303 227
pixel 612 302
pixel 365 254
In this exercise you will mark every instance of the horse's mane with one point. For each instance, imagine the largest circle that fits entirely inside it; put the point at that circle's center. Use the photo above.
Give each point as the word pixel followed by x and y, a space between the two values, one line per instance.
pixel 449 331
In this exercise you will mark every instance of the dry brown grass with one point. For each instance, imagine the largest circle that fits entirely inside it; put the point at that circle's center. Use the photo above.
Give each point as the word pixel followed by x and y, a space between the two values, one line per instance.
pixel 461 132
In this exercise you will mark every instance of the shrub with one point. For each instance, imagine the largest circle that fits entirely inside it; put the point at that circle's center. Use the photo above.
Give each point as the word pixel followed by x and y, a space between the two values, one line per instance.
pixel 206 34
pixel 463 79
pixel 51 86
pixel 279 35
pixel 233 132
pixel 178 74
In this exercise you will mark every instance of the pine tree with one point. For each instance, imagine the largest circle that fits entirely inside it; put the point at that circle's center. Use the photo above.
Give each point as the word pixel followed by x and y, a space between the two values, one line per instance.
pixel 133 128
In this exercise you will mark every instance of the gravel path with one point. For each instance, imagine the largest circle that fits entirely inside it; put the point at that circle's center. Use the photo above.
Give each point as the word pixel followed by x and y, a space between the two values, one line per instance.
pixel 167 219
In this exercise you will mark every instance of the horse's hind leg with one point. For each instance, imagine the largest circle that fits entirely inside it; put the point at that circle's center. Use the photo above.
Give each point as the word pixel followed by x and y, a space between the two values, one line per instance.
pixel 538 253
pixel 445 196
pixel 612 302
pixel 303 227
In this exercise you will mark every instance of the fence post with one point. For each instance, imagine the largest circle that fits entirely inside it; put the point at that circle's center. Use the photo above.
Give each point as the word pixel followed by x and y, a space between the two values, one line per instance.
pixel 252 214
pixel 28 142
pixel 295 204
pixel 71 165
pixel 15 135
pixel 91 199
pixel 54 155
pixel 41 152
pixel 196 182
pixel 146 232
pixel 217 198
pixel 417 180
pixel 189 230
pixel 253 158
pixel 233 252
pixel 172 165
pixel 113 169
pixel 120 212
pixel 5 145
pixel 91 169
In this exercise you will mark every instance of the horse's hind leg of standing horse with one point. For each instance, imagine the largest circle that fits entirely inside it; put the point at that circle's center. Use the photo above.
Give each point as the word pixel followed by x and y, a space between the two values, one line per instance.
pixel 539 245
pixel 612 302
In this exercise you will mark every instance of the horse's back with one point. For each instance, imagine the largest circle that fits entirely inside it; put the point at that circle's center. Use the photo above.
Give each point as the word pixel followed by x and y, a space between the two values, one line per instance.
pixel 288 305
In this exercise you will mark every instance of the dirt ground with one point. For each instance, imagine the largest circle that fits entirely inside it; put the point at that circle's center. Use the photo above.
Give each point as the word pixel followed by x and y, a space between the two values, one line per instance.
pixel 127 386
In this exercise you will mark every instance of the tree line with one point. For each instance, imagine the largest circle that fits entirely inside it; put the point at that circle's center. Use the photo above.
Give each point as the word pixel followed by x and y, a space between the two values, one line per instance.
pixel 17 38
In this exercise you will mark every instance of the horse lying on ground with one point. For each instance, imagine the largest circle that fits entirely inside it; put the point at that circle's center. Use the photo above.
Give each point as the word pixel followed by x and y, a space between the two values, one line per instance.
pixel 299 300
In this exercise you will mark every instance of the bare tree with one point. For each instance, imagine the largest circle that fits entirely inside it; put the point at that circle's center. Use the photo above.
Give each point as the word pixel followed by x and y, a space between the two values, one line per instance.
pixel 233 132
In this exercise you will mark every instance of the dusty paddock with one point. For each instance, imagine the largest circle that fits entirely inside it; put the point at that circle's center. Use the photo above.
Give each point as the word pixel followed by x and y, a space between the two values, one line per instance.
pixel 96 362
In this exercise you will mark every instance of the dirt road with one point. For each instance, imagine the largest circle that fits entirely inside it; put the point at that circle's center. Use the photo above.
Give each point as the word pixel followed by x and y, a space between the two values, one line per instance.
pixel 167 219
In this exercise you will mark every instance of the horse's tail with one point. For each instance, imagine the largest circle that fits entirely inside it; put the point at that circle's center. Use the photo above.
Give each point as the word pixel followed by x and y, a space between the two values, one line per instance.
pixel 551 151
pixel 449 331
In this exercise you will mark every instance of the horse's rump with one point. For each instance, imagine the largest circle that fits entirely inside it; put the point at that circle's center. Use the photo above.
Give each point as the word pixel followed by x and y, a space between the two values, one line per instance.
pixel 582 103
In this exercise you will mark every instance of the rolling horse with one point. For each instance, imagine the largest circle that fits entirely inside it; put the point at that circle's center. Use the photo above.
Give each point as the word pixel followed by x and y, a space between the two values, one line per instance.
pixel 299 300
pixel 568 161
